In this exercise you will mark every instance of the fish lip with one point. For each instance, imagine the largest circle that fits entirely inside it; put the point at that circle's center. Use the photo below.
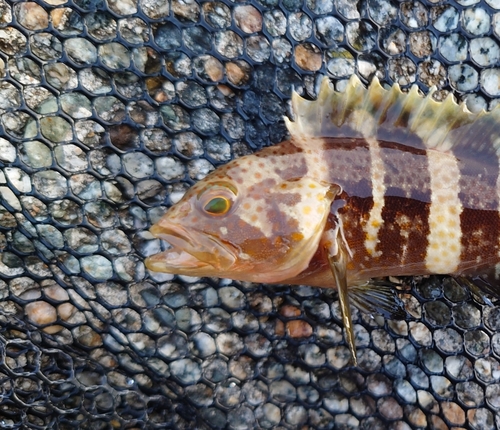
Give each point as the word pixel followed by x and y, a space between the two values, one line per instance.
pixel 176 262
pixel 193 249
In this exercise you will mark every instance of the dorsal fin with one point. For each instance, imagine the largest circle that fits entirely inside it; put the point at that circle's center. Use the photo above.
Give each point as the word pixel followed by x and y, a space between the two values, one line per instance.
pixel 393 115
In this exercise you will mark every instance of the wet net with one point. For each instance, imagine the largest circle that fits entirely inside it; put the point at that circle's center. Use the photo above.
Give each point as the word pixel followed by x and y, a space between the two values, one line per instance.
pixel 109 111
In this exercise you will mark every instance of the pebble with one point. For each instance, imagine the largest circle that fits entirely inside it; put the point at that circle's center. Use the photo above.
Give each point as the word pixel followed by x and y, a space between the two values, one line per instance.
pixel 383 12
pixel 188 320
pixel 361 35
pixel 199 168
pixel 114 55
pixel 40 312
pixel 295 414
pixel 197 39
pixel 18 179
pixel 347 9
pixel 394 367
pixel 238 72
pixel 115 242
pixel 414 14
pixel 31 16
pixel 330 31
pixel 96 266
pixel 248 18
pixel 484 51
pixel 480 418
pixel 50 184
pixel 495 4
pixel 389 408
pixel 415 416
pixel 442 386
pixel 200 395
pixel 268 415
pixel 299 26
pixel 134 30
pixel 463 77
pixel 76 105
pixel 336 403
pixel 308 57
pixel 56 129
pixel 228 44
pixel 476 21
pixel 299 329
pixel 258 48
pixel 448 340
pixel 454 48
pixel 394 41
pixel 487 369
pixel 476 342
pixel 444 18
pixel 242 368
pixel 209 68
pixel 65 311
pixel 187 10
pixel 427 401
pixel 275 22
pixel 382 341
pixel 186 371
pixel 341 64
pixel 490 82
pixel 229 394
pixel 312 355
pixel 229 343
pixel 437 313
pixel 217 14
pixel 71 158
pixel 282 392
pixel 7 151
pixel 122 7
pixel 80 50
pixel 475 103
pixel 14 42
pixel 493 395
pixel 422 44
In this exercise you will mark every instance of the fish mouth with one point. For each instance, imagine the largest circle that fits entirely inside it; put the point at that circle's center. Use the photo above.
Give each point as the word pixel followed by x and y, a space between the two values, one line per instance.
pixel 192 253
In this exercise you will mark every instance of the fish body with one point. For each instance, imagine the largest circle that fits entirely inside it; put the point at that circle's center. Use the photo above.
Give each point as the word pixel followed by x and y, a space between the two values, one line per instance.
pixel 372 183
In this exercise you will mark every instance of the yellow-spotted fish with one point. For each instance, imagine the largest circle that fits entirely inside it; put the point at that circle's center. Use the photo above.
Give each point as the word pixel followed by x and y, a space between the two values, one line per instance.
pixel 372 183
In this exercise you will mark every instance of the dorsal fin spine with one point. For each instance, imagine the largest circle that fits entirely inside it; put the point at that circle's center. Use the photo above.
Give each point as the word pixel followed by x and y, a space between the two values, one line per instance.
pixel 359 112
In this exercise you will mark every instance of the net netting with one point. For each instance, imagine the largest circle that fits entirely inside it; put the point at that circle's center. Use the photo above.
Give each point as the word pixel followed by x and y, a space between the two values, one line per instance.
pixel 109 110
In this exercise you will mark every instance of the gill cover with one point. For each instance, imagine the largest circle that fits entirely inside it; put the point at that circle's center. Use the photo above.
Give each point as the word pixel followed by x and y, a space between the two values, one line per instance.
pixel 291 226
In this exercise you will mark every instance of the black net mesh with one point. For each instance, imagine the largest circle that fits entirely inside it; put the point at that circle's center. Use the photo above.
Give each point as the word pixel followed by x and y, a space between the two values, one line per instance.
pixel 109 110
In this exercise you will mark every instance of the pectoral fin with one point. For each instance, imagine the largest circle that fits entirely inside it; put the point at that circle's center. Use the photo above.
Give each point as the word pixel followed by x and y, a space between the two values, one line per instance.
pixel 378 297
pixel 375 296
pixel 338 266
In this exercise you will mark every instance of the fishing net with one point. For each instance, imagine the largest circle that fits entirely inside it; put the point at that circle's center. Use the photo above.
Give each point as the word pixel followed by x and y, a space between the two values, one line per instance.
pixel 109 111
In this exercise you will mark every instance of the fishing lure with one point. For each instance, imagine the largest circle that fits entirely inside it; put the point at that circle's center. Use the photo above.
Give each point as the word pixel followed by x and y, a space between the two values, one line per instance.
pixel 372 183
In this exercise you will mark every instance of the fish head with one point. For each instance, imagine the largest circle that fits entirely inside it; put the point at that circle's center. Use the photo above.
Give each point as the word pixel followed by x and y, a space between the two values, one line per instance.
pixel 244 224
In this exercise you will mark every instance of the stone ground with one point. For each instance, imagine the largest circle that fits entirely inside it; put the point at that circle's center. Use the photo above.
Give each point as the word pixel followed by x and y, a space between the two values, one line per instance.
pixel 109 110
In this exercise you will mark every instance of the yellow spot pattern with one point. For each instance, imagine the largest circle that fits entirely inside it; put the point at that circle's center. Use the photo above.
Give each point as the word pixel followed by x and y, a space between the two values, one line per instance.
pixel 444 239
pixel 375 220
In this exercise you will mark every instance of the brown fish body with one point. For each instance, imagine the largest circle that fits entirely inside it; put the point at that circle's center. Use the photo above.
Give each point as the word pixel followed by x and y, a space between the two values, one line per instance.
pixel 395 235
pixel 373 183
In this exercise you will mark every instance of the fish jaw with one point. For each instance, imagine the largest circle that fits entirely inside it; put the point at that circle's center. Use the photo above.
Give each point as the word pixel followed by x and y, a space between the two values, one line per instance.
pixel 191 253
pixel 176 262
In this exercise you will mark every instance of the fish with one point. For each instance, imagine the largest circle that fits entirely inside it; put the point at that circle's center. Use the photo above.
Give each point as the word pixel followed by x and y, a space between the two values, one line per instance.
pixel 374 182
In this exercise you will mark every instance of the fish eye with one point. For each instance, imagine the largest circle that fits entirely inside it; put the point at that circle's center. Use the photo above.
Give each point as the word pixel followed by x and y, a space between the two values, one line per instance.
pixel 218 205
pixel 217 198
